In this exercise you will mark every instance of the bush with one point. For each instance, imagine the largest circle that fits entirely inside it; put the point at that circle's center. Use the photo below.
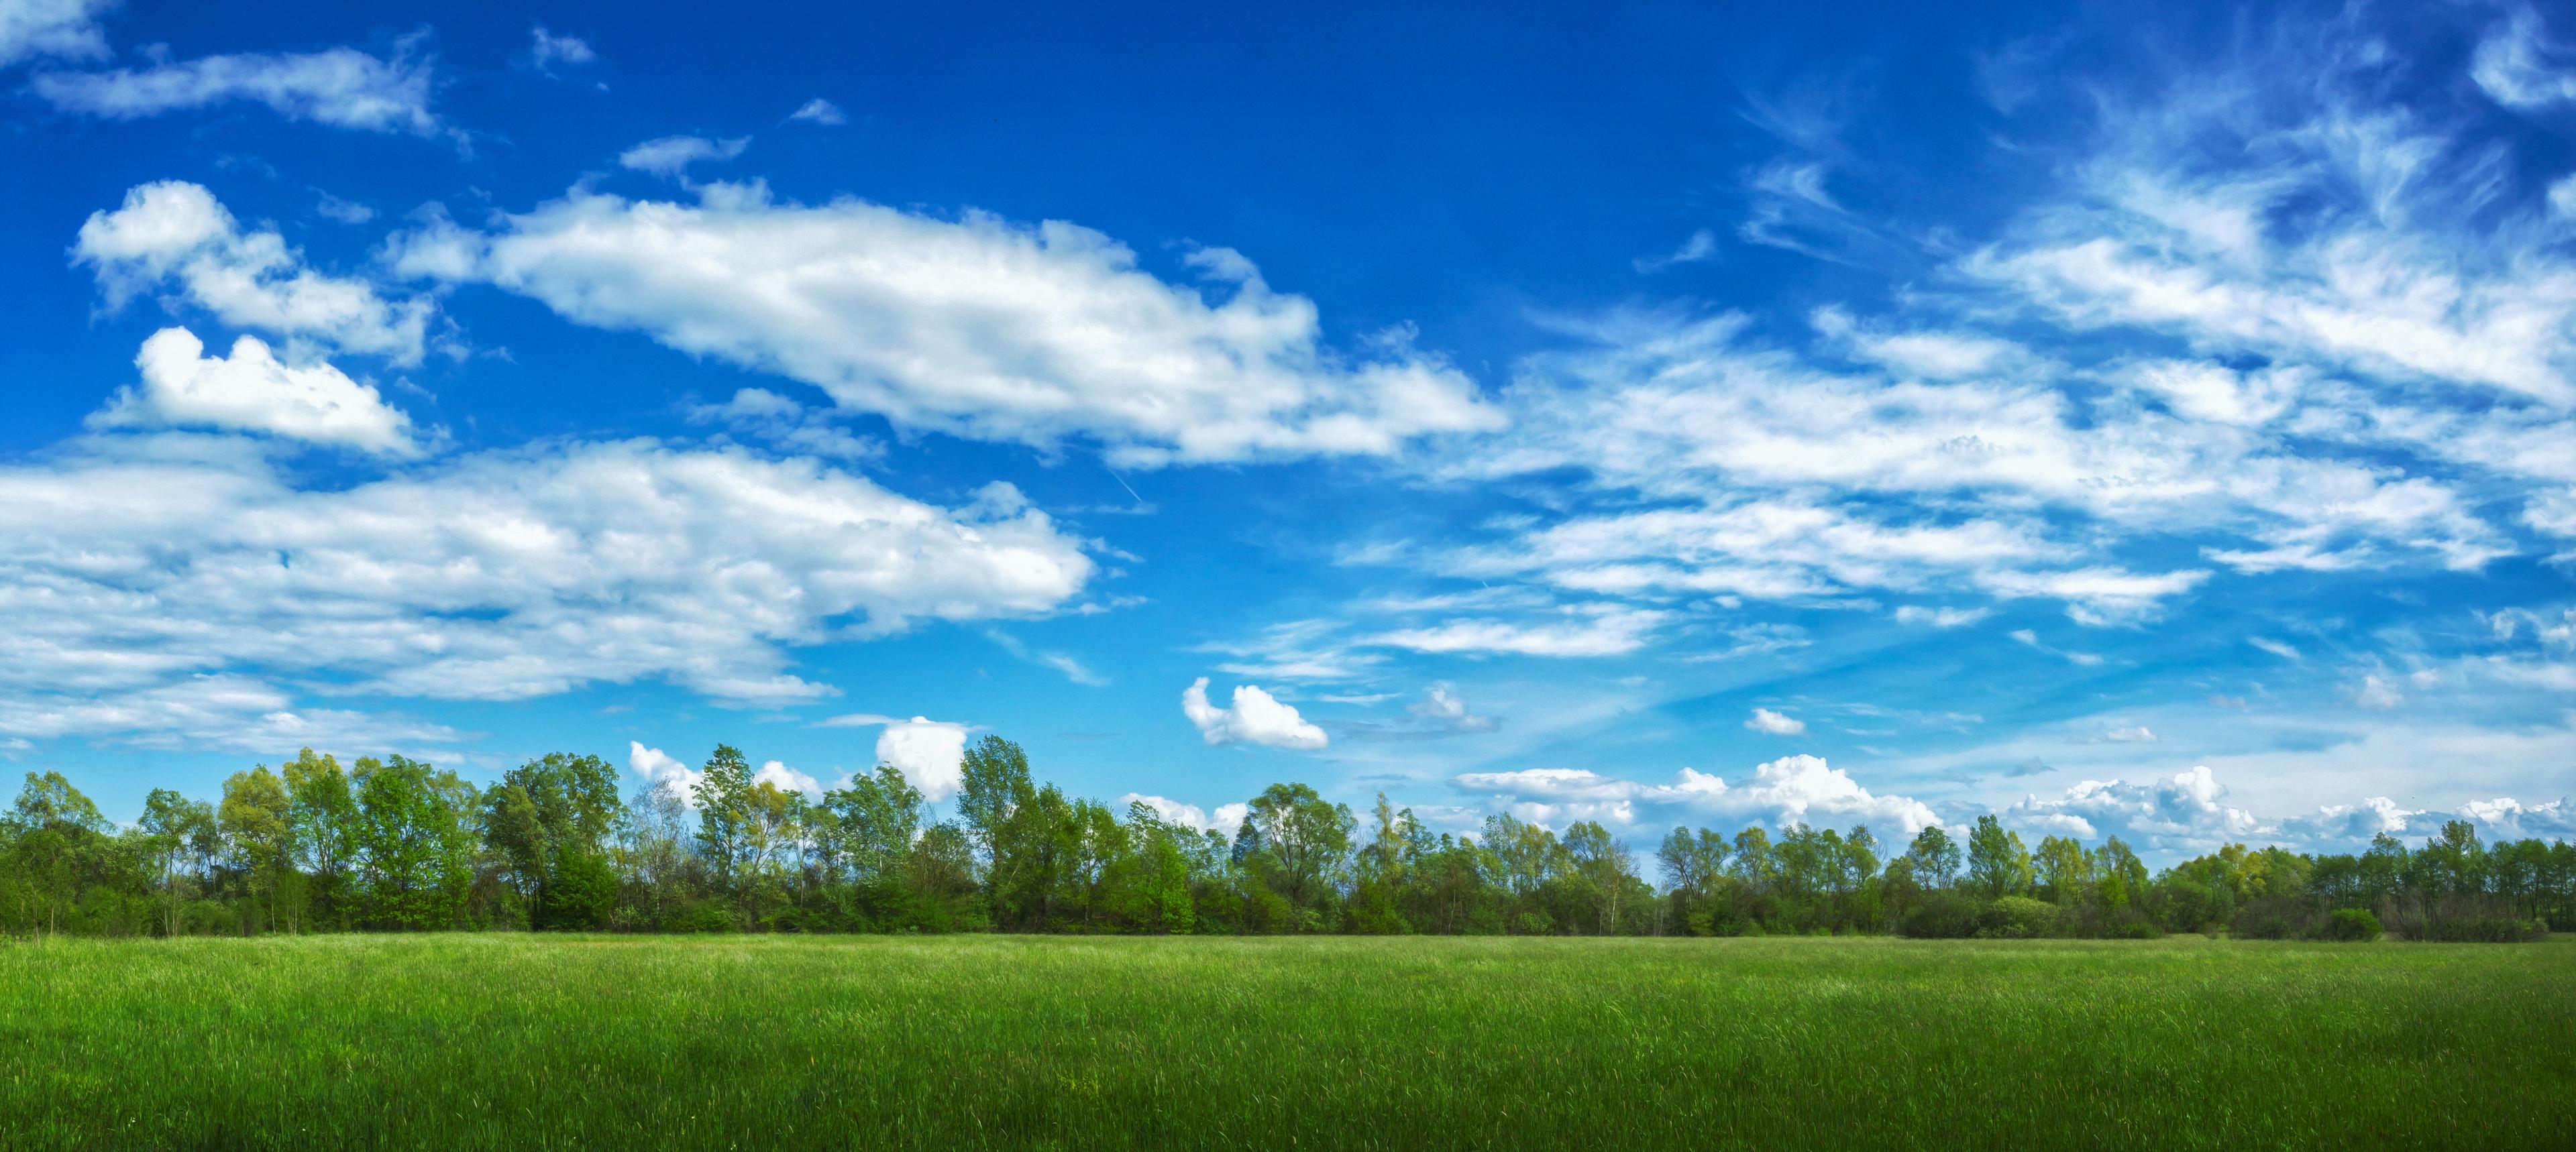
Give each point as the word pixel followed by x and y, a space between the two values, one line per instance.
pixel 2137 930
pixel 2017 918
pixel 1941 916
pixel 2350 924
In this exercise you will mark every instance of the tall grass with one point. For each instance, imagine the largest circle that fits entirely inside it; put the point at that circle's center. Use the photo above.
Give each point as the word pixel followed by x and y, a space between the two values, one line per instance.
pixel 948 1042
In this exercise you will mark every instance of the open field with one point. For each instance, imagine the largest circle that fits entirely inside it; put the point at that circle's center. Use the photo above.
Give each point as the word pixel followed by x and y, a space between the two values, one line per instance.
pixel 532 1041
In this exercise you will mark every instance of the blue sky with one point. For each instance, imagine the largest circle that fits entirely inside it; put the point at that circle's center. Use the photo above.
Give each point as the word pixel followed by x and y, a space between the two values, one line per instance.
pixel 2160 426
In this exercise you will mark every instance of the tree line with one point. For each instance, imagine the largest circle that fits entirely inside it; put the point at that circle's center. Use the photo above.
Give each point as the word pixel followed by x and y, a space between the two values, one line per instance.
pixel 397 844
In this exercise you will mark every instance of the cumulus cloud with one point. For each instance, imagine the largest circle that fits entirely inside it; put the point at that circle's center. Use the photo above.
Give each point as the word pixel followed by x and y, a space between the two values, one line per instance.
pixel 973 326
pixel 2188 813
pixel 30 29
pixel 670 156
pixel 662 771
pixel 1226 819
pixel 1773 723
pixel 819 111
pixel 252 391
pixel 339 87
pixel 1255 718
pixel 930 753
pixel 1788 792
pixel 777 774
pixel 128 566
pixel 175 234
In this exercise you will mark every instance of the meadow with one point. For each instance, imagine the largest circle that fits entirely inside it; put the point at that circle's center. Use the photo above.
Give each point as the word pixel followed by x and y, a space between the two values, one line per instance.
pixel 544 1041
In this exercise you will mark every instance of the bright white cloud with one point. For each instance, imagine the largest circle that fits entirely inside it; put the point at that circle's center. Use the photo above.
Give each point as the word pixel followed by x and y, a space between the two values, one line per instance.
pixel 176 234
pixel 777 774
pixel 1790 791
pixel 340 87
pixel 61 28
pixel 663 771
pixel 670 156
pixel 930 753
pixel 1227 818
pixel 252 391
pixel 2279 648
pixel 2188 814
pixel 1773 723
pixel 128 565
pixel 1255 718
pixel 973 326
pixel 819 111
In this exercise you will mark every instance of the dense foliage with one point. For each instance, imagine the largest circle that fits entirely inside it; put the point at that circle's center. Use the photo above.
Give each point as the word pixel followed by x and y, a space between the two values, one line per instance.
pixel 398 844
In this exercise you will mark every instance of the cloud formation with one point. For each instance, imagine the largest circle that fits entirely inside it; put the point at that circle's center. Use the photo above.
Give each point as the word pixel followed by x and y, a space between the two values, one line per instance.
pixel 68 29
pixel 338 87
pixel 975 326
pixel 175 235
pixel 252 391
pixel 129 566
pixel 1772 723
pixel 1255 718
pixel 670 156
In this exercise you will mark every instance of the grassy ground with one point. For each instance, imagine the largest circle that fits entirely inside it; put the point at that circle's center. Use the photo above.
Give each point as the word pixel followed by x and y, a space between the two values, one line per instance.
pixel 604 1042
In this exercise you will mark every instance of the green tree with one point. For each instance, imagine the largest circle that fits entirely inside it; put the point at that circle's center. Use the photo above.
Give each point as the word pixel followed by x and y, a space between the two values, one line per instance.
pixel 725 818
pixel 1933 858
pixel 1998 864
pixel 415 842
pixel 259 833
pixel 1310 839
pixel 322 812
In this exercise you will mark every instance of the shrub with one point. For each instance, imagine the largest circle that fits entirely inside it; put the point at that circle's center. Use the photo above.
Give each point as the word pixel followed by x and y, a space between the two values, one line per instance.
pixel 2137 930
pixel 1941 916
pixel 2352 924
pixel 2017 918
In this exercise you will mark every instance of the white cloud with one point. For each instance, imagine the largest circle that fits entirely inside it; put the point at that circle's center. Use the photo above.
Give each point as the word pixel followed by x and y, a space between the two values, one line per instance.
pixel 1790 791
pixel 2519 67
pixel 1941 617
pixel 2378 693
pixel 663 771
pixel 2188 814
pixel 1227 818
pixel 1773 723
pixel 62 28
pixel 930 753
pixel 777 774
pixel 131 564
pixel 340 87
pixel 1593 630
pixel 1442 705
pixel 973 326
pixel 175 233
pixel 225 711
pixel 2080 659
pixel 1256 718
pixel 252 391
pixel 2129 734
pixel 545 50
pixel 819 111
pixel 670 156
pixel 2276 647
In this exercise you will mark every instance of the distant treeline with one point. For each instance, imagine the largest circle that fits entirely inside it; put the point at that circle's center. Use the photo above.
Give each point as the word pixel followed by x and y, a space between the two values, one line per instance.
pixel 395 844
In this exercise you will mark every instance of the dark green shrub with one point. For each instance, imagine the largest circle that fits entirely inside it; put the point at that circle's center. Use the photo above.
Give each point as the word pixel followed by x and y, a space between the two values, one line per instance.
pixel 2137 930
pixel 2352 924
pixel 2017 918
pixel 1941 916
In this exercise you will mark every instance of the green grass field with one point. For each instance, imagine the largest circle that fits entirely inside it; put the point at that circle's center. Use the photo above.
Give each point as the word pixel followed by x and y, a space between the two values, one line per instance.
pixel 856 1042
